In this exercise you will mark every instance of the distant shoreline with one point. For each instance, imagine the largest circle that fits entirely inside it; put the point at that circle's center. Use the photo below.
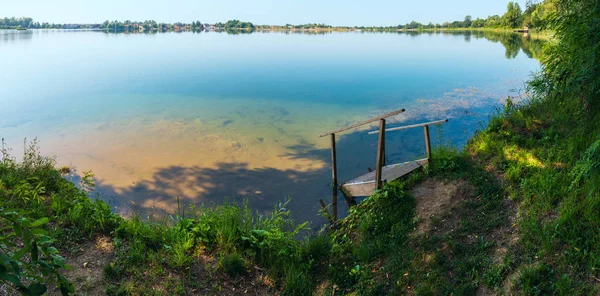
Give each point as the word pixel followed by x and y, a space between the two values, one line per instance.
pixel 533 33
pixel 341 29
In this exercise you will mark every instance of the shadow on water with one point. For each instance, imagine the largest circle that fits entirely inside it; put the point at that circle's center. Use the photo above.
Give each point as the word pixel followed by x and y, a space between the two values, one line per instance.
pixel 265 187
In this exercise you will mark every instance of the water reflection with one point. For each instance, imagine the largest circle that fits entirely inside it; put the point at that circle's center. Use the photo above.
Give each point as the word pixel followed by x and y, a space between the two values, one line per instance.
pixel 9 36
pixel 193 116
pixel 514 43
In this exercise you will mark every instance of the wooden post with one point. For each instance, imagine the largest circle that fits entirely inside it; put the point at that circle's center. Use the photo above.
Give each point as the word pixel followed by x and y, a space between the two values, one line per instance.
pixel 334 184
pixel 427 143
pixel 383 150
pixel 334 204
pixel 380 152
pixel 333 163
pixel 351 201
pixel 324 207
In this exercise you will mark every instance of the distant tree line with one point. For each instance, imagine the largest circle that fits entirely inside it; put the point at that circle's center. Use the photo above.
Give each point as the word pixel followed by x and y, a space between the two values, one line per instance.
pixel 536 15
pixel 26 23
pixel 151 25
pixel 126 26
pixel 235 24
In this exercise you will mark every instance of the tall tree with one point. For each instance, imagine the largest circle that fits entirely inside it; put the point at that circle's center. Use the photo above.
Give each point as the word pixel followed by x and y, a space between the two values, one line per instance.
pixel 513 17
pixel 468 21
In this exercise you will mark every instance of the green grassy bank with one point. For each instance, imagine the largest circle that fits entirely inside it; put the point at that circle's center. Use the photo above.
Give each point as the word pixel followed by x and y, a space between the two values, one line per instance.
pixel 374 250
pixel 524 220
pixel 514 212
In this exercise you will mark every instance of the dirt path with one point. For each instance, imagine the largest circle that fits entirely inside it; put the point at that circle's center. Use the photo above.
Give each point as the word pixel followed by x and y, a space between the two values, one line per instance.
pixel 87 273
pixel 435 198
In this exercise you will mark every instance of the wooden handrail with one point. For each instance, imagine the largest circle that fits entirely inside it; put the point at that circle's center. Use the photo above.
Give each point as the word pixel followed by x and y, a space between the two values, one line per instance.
pixel 363 123
pixel 410 126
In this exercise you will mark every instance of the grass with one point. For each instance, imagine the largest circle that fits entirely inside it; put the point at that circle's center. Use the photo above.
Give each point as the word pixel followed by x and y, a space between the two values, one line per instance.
pixel 379 251
pixel 524 221
pixel 217 247
pixel 547 151
pixel 529 226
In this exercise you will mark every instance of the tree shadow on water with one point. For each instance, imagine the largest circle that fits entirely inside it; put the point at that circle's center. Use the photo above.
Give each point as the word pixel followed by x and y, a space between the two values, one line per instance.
pixel 193 185
pixel 266 187
pixel 262 187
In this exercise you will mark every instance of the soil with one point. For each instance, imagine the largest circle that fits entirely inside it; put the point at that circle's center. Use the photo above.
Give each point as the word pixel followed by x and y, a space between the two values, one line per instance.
pixel 87 273
pixel 434 199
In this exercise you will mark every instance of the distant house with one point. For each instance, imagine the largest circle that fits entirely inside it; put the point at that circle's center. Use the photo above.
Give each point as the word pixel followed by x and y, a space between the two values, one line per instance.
pixel 209 27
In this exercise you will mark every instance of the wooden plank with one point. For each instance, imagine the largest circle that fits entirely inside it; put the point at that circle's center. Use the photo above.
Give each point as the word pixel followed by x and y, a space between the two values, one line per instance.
pixel 363 123
pixel 365 189
pixel 410 126
pixel 380 152
pixel 365 185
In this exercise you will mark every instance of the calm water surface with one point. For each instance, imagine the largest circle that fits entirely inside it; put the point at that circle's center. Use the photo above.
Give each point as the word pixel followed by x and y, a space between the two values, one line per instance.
pixel 205 116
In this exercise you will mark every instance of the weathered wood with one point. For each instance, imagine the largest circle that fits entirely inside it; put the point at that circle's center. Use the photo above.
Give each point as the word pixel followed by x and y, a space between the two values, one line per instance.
pixel 427 142
pixel 351 201
pixel 363 122
pixel 364 189
pixel 365 185
pixel 326 211
pixel 380 153
pixel 334 204
pixel 410 126
pixel 383 150
pixel 333 163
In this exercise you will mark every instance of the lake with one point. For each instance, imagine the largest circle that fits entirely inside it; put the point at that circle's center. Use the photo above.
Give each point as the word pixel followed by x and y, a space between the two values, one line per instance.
pixel 209 117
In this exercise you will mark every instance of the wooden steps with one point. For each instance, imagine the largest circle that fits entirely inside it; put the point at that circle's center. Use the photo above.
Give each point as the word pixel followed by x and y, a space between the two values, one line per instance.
pixel 366 184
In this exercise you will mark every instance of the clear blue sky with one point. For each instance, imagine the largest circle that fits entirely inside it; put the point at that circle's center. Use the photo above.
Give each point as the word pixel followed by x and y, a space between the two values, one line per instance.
pixel 332 12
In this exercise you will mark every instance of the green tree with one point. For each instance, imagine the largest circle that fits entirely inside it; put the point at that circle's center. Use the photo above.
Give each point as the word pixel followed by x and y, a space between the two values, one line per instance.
pixel 493 21
pixel 570 64
pixel 478 23
pixel 540 17
pixel 468 21
pixel 513 18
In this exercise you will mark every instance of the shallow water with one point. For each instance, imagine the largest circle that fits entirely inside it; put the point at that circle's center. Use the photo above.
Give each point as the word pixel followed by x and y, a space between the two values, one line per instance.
pixel 204 116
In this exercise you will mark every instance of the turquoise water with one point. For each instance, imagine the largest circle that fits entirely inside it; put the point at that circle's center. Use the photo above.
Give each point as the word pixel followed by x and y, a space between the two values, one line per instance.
pixel 203 116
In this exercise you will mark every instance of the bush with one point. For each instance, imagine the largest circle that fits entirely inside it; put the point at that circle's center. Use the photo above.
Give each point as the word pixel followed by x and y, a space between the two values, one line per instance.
pixel 570 64
pixel 26 267
pixel 297 282
pixel 233 264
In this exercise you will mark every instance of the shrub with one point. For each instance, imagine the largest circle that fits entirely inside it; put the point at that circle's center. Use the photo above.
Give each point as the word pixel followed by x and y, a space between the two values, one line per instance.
pixel 26 267
pixel 588 167
pixel 233 264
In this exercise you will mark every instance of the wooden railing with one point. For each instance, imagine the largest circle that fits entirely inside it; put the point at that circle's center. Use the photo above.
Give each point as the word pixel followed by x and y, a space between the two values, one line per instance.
pixel 333 149
pixel 380 162
pixel 381 143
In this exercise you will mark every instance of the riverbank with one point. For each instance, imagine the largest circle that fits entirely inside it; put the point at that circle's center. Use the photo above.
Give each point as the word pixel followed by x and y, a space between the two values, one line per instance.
pixel 480 220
